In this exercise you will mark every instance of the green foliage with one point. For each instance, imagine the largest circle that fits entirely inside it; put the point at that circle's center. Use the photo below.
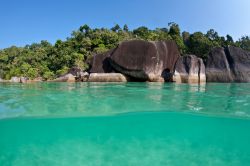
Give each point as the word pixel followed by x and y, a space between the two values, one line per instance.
pixel 174 29
pixel 32 73
pixel 48 75
pixel 244 42
pixel 125 28
pixel 175 34
pixel 116 28
pixel 200 45
pixel 49 61
pixel 142 33
pixel 212 35
pixel 230 39
pixel 100 49
pixel 62 71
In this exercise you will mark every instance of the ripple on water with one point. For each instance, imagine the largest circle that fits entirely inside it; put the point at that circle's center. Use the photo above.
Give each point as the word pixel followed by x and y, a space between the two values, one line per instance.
pixel 97 99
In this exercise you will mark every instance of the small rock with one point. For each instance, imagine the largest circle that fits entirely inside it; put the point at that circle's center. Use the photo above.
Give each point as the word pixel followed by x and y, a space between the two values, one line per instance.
pixel 107 77
pixel 23 79
pixel 82 77
pixel 65 78
pixel 38 79
pixel 15 80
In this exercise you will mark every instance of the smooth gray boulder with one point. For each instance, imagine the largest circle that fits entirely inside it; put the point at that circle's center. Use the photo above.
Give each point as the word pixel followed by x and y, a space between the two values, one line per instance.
pixel 231 64
pixel 143 60
pixel 189 69
pixel 65 78
pixel 217 66
pixel 99 63
pixel 107 77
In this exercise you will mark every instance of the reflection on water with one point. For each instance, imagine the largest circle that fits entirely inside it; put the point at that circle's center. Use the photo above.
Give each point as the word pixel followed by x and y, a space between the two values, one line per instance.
pixel 91 99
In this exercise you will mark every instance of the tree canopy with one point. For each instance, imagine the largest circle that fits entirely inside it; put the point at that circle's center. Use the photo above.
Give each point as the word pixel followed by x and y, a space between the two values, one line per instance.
pixel 51 60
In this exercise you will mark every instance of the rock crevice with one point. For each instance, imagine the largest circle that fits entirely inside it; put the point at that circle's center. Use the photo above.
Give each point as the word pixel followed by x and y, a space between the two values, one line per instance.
pixel 229 64
pixel 189 69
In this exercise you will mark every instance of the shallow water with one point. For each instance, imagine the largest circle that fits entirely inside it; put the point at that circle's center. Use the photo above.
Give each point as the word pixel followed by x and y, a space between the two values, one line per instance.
pixel 124 124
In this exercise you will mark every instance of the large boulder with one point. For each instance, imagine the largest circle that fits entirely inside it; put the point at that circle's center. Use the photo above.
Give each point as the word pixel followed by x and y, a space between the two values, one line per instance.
pixel 99 63
pixel 229 64
pixel 217 66
pixel 189 69
pixel 145 60
pixel 107 77
pixel 239 62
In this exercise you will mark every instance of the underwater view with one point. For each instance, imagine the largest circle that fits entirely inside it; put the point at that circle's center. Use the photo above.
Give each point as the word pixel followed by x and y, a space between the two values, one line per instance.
pixel 124 124
pixel 125 83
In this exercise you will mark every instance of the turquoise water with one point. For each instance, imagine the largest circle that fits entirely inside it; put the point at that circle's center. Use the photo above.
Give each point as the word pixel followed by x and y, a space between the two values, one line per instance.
pixel 124 124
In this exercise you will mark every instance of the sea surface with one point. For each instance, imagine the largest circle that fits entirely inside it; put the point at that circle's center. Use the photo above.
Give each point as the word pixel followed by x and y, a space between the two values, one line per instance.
pixel 124 124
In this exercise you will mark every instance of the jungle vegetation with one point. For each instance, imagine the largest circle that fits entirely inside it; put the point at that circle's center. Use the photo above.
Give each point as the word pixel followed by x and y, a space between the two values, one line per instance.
pixel 48 60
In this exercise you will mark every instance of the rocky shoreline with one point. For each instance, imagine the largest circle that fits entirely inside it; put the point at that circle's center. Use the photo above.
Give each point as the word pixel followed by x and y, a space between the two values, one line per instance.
pixel 140 61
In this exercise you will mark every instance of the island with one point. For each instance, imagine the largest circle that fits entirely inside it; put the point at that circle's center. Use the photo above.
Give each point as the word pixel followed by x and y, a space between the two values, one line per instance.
pixel 121 55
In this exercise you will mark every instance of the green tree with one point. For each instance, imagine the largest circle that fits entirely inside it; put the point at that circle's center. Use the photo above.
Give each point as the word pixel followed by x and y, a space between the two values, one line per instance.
pixel 142 33
pixel 175 33
pixel 212 35
pixel 116 28
pixel 125 28
pixel 61 71
pixel 84 29
pixel 244 42
pixel 229 39
pixel 200 45
pixel 174 29
pixel 47 60
pixel 48 75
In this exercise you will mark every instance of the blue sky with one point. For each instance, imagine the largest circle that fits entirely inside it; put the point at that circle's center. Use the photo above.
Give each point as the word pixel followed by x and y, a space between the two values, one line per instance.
pixel 27 21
